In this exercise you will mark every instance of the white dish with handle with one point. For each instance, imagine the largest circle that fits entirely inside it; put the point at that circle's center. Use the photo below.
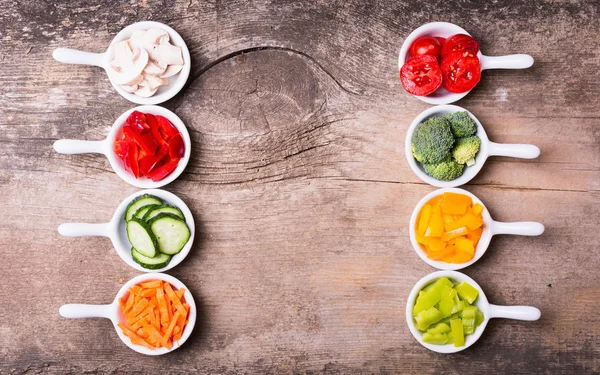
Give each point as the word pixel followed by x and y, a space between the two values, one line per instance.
pixel 116 230
pixel 115 315
pixel 490 229
pixel 445 30
pixel 487 148
pixel 489 311
pixel 106 147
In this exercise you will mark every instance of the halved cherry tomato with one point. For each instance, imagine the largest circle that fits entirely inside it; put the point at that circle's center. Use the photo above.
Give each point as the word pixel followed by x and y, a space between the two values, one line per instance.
pixel 426 45
pixel 461 70
pixel 460 42
pixel 421 75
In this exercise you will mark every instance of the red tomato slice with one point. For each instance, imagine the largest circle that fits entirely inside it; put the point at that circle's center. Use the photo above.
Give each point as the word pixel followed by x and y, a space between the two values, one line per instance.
pixel 421 75
pixel 460 42
pixel 426 45
pixel 461 70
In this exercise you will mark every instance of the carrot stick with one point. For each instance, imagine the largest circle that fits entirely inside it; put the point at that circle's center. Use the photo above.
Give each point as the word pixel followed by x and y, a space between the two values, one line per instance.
pixel 148 293
pixel 122 304
pixel 135 339
pixel 129 303
pixel 179 293
pixel 157 319
pixel 162 307
pixel 169 332
pixel 169 306
pixel 138 308
pixel 136 290
pixel 151 284
pixel 175 300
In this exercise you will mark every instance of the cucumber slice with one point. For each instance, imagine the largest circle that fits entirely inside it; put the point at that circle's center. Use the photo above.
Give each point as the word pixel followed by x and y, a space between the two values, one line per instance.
pixel 159 261
pixel 144 210
pixel 171 232
pixel 139 202
pixel 141 237
pixel 165 208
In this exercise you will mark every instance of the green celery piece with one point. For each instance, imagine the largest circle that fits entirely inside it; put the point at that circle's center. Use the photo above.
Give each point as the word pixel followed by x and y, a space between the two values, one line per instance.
pixel 432 295
pixel 458 307
pixel 427 317
pixel 468 325
pixel 466 292
pixel 457 332
pixel 450 338
pixel 435 338
pixel 439 328
pixel 479 318
pixel 469 312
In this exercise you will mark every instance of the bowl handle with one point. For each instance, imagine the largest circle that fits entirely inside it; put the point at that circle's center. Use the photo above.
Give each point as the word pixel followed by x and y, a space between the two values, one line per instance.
pixel 73 146
pixel 73 56
pixel 523 228
pixel 514 150
pixel 84 229
pixel 86 311
pixel 514 312
pixel 518 61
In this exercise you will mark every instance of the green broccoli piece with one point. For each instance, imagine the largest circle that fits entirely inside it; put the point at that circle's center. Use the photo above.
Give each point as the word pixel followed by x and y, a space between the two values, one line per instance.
pixel 462 125
pixel 447 170
pixel 432 140
pixel 466 149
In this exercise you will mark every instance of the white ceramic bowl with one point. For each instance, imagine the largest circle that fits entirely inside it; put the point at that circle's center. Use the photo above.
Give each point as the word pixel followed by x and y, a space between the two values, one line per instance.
pixel 115 229
pixel 114 313
pixel 105 147
pixel 489 311
pixel 164 93
pixel 487 148
pixel 444 30
pixel 490 228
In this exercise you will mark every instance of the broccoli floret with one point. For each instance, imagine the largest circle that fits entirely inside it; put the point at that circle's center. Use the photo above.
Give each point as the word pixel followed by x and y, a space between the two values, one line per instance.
pixel 447 170
pixel 466 149
pixel 432 140
pixel 462 125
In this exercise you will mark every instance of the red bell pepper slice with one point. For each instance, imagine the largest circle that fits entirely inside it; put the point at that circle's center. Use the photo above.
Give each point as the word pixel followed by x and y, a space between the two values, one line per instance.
pixel 121 147
pixel 166 128
pixel 131 160
pixel 144 140
pixel 176 146
pixel 154 129
pixel 149 162
pixel 163 171
pixel 137 120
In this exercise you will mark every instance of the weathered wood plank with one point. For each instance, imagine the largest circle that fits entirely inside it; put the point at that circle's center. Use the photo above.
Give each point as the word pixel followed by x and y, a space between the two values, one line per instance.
pixel 300 188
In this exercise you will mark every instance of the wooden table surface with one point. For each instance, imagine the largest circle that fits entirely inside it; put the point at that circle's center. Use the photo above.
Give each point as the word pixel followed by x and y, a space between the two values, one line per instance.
pixel 300 188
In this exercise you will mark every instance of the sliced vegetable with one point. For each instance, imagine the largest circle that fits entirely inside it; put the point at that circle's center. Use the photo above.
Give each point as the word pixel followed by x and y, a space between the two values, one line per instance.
pixel 142 211
pixel 141 237
pixel 165 208
pixel 139 202
pixel 171 232
pixel 152 263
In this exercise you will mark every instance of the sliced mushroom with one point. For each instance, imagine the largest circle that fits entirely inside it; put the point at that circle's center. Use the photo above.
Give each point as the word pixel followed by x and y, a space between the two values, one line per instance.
pixel 137 80
pixel 155 68
pixel 171 71
pixel 130 89
pixel 153 81
pixel 136 39
pixel 129 71
pixel 160 36
pixel 145 91
pixel 167 54
pixel 122 52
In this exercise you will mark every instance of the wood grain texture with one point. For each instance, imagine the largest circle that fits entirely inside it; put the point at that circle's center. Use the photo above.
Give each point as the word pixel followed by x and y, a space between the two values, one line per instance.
pixel 300 188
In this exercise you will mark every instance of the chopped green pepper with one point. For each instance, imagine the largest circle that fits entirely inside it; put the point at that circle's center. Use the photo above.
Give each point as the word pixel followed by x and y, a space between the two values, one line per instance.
pixel 432 295
pixel 466 292
pixel 457 332
pixel 435 338
pixel 428 317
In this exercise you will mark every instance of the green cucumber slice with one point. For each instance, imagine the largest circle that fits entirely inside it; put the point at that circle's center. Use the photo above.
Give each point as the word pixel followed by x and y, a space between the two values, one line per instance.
pixel 144 210
pixel 171 232
pixel 158 262
pixel 141 237
pixel 139 202
pixel 165 208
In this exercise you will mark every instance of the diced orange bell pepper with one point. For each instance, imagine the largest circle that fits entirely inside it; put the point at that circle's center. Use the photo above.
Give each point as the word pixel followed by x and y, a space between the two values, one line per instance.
pixel 477 209
pixel 469 220
pixel 465 245
pixel 455 204
pixel 447 219
pixel 461 257
pixel 454 233
pixel 421 239
pixel 435 244
pixel 424 218
pixel 447 253
pixel 436 224
pixel 475 235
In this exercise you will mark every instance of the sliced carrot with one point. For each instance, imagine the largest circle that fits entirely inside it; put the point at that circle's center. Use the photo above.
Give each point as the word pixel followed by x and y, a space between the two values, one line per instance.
pixel 136 290
pixel 129 303
pixel 122 304
pixel 175 300
pixel 138 308
pixel 162 307
pixel 135 339
pixel 148 292
pixel 157 319
pixel 169 306
pixel 180 293
pixel 170 329
pixel 151 284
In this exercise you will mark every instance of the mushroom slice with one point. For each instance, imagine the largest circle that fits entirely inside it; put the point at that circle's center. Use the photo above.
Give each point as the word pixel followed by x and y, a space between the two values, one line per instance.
pixel 155 68
pixel 136 39
pixel 145 91
pixel 122 53
pixel 171 70
pixel 152 81
pixel 167 54
pixel 136 81
pixel 130 89
pixel 159 36
pixel 129 71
